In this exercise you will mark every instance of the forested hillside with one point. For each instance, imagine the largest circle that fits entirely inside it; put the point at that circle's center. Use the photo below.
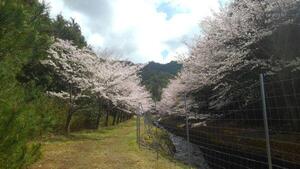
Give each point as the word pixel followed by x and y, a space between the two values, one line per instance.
pixel 156 76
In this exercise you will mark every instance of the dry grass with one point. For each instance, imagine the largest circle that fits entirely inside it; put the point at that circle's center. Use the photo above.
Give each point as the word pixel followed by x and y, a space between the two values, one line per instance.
pixel 109 148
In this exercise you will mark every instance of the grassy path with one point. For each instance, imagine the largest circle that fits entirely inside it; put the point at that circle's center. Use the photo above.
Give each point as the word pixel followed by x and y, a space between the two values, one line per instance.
pixel 110 148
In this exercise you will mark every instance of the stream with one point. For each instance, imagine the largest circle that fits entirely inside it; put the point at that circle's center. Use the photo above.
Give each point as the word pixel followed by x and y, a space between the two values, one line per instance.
pixel 181 154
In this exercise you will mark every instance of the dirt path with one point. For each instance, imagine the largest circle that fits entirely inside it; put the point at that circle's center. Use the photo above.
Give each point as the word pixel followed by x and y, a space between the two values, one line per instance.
pixel 110 148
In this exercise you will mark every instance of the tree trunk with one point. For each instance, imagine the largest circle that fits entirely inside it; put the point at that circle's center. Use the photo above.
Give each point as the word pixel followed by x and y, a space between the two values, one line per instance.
pixel 98 120
pixel 68 123
pixel 123 117
pixel 119 117
pixel 115 117
pixel 70 112
pixel 98 116
pixel 106 118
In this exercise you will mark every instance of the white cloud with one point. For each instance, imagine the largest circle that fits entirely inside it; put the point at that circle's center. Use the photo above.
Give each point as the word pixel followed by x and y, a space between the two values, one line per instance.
pixel 136 27
pixel 96 40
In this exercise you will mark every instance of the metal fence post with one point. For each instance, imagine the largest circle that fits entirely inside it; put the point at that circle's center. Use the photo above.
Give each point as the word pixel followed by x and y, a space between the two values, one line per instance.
pixel 266 126
pixel 139 131
pixel 187 131
pixel 137 128
pixel 156 138
pixel 156 145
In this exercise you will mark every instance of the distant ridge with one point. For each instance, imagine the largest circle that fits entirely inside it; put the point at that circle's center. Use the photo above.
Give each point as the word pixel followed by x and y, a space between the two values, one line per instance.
pixel 156 76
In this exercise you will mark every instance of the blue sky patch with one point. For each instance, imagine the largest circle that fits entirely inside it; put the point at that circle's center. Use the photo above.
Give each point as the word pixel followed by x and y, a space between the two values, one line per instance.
pixel 223 3
pixel 168 9
pixel 165 53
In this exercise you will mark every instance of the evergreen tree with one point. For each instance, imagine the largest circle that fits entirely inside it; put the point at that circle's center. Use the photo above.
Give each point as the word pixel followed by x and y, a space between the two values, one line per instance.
pixel 25 112
pixel 68 30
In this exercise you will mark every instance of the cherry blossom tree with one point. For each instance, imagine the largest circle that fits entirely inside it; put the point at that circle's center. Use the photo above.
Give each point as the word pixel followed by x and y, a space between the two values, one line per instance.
pixel 118 82
pixel 236 44
pixel 67 61
pixel 113 83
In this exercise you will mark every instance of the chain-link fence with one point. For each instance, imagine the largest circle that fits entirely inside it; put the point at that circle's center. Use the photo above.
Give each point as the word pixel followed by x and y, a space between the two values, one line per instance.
pixel 261 133
pixel 151 136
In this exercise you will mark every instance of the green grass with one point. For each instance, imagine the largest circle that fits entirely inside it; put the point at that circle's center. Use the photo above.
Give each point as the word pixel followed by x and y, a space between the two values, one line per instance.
pixel 107 148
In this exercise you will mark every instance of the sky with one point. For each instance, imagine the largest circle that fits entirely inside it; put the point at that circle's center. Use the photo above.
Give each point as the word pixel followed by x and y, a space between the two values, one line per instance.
pixel 139 30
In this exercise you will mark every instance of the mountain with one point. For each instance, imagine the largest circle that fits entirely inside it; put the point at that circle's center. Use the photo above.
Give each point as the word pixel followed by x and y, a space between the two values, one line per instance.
pixel 156 76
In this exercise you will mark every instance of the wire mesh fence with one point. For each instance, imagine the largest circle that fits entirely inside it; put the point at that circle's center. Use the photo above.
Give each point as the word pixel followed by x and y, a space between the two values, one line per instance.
pixel 262 132
pixel 151 136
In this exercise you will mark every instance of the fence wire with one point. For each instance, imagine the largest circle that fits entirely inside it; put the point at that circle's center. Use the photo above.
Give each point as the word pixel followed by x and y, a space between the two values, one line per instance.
pixel 151 136
pixel 235 137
